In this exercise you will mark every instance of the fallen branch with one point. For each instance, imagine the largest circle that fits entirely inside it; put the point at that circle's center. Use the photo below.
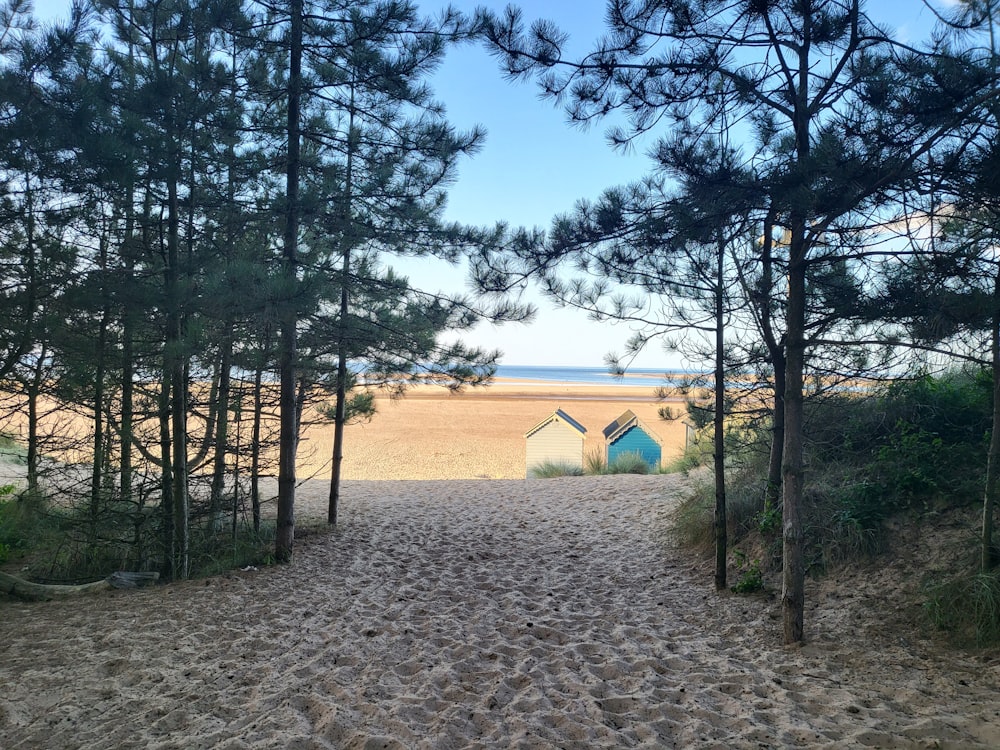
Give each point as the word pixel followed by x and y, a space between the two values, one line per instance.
pixel 43 592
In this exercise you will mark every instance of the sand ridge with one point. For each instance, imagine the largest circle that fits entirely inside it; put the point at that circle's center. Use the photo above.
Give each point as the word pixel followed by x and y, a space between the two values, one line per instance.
pixel 465 614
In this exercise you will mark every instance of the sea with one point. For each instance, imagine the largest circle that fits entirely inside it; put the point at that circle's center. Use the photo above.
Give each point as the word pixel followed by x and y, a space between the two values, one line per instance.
pixel 591 375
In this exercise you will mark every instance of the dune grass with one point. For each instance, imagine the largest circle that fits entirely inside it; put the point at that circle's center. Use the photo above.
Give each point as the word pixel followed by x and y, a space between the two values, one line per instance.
pixel 553 469
pixel 903 455
pixel 967 608
pixel 595 463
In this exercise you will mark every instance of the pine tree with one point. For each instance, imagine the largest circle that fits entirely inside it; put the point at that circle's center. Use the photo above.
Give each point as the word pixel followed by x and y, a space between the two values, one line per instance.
pixel 369 156
pixel 831 145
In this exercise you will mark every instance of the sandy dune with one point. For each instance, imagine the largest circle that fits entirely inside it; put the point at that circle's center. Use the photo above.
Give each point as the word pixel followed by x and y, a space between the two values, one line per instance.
pixel 494 614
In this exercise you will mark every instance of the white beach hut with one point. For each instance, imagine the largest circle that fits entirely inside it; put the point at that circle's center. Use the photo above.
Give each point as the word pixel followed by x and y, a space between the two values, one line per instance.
pixel 556 439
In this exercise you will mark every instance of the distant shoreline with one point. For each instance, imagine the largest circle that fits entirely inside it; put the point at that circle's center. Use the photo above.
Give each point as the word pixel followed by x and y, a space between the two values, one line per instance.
pixel 599 376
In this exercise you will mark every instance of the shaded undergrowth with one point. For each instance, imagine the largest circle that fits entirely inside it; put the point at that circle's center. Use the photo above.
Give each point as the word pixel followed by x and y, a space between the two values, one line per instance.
pixel 902 455
pixel 73 542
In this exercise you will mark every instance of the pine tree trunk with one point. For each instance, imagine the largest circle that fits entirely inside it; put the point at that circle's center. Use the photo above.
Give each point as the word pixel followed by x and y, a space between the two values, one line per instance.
pixel 100 362
pixel 764 297
pixel 34 391
pixel 98 445
pixel 719 453
pixel 29 318
pixel 793 556
pixel 341 404
pixel 987 554
pixel 340 416
pixel 288 437
pixel 792 477
pixel 166 477
pixel 221 431
pixel 128 390
pixel 258 409
pixel 772 492
pixel 178 382
pixel 128 317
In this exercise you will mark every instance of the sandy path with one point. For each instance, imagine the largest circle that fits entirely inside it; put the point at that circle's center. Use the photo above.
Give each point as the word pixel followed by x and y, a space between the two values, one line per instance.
pixel 546 613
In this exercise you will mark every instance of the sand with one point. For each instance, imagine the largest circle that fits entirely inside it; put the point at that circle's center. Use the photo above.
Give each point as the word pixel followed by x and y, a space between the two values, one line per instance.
pixel 430 433
pixel 479 433
pixel 494 614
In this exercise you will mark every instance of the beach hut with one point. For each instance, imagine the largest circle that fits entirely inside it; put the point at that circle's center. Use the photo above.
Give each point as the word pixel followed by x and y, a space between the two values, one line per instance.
pixel 628 435
pixel 556 439
pixel 690 434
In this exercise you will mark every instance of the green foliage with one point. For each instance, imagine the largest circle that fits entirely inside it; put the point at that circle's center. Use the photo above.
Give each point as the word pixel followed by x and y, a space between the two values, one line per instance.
pixel 769 520
pixel 686 462
pixel 5 492
pixel 750 577
pixel 917 447
pixel 358 407
pixel 968 608
pixel 696 455
pixel 212 554
pixel 21 522
pixel 628 463
pixel 693 522
pixel 693 519
pixel 71 544
pixel 921 445
pixel 595 462
pixel 552 469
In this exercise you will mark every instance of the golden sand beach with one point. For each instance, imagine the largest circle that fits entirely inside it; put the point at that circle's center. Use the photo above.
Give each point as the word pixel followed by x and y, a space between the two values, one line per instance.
pixel 540 613
pixel 432 433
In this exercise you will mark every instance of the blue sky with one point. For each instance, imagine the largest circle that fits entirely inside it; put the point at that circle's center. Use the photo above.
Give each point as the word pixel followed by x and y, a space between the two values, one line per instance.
pixel 534 166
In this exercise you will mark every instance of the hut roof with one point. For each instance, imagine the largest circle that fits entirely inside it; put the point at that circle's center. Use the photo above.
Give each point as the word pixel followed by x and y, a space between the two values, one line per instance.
pixel 626 420
pixel 561 416
pixel 623 424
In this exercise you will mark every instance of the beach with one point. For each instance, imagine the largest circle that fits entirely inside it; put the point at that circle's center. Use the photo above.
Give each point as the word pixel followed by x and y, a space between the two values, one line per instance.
pixel 543 613
pixel 430 432
pixel 478 433
pixel 448 610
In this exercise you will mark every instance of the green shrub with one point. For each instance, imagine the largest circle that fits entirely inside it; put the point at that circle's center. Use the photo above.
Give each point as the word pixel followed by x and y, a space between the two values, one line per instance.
pixel 693 519
pixel 628 463
pixel 968 608
pixel 595 462
pixel 21 520
pixel 67 542
pixel 750 577
pixel 212 554
pixel 921 445
pixel 915 447
pixel 768 520
pixel 552 469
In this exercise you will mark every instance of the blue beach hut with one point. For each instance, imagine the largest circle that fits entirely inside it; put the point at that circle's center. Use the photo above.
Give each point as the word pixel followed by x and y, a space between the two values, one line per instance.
pixel 628 435
pixel 557 439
